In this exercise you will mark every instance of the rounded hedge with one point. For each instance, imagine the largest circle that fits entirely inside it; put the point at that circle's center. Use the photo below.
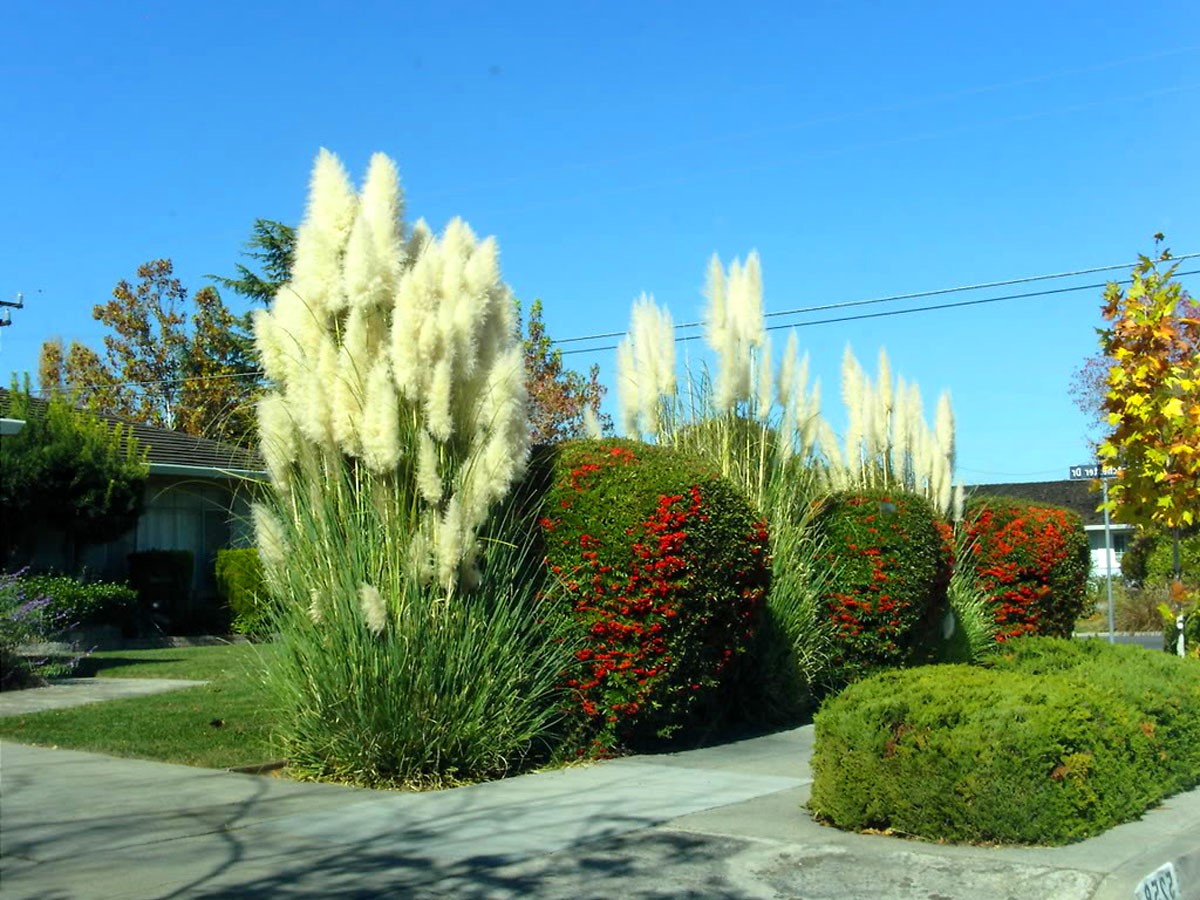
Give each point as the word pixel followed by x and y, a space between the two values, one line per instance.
pixel 239 577
pixel 1030 751
pixel 663 565
pixel 891 558
pixel 1032 562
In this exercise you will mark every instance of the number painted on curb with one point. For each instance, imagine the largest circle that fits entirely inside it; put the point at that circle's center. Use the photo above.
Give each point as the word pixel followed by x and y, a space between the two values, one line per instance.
pixel 1161 884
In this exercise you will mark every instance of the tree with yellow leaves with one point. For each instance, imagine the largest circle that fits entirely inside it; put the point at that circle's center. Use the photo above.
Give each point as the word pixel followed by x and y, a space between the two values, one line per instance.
pixel 1153 398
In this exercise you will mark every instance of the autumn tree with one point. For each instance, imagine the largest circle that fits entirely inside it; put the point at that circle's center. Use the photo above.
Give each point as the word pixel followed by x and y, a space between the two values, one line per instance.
pixel 163 364
pixel 1153 398
pixel 559 398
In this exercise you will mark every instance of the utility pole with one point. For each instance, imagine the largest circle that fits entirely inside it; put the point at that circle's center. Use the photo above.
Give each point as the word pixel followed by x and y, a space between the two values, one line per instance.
pixel 19 304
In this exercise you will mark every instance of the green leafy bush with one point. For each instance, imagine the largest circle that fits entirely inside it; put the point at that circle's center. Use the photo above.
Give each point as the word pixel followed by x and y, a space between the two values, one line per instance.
pixel 1032 561
pixel 892 559
pixel 1163 692
pixel 664 568
pixel 28 617
pixel 81 602
pixel 239 576
pixel 1160 561
pixel 1057 741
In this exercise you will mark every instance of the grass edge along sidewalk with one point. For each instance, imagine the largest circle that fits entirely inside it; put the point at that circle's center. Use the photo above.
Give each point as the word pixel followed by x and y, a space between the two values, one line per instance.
pixel 221 724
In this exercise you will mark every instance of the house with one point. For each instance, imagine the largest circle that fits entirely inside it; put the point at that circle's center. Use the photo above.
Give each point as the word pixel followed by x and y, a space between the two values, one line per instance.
pixel 197 498
pixel 1077 496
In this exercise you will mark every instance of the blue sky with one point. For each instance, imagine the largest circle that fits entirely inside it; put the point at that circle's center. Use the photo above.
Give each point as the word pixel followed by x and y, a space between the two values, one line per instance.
pixel 864 149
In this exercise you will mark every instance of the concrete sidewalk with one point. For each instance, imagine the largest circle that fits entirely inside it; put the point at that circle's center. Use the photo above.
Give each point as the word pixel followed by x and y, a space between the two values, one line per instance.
pixel 718 822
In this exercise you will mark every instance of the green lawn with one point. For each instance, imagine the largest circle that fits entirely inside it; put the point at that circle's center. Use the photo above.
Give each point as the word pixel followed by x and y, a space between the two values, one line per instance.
pixel 224 723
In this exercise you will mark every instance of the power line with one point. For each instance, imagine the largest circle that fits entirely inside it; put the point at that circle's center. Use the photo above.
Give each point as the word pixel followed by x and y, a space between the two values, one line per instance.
pixel 254 373
pixel 894 297
pixel 900 312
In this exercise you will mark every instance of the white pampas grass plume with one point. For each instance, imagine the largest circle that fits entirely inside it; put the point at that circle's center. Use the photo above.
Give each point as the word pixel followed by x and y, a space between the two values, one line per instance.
pixel 944 428
pixel 591 423
pixel 374 610
pixel 765 383
pixel 437 402
pixel 382 208
pixel 271 539
pixel 716 316
pixel 745 301
pixel 429 476
pixel 332 205
pixel 786 383
pixel 267 342
pixel 725 325
pixel 627 388
pixel 307 393
pixel 959 503
pixel 646 366
pixel 381 420
pixel 277 438
pixel 346 393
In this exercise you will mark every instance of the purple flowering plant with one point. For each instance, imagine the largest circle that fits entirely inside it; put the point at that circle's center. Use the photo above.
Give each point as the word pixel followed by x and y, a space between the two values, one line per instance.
pixel 26 623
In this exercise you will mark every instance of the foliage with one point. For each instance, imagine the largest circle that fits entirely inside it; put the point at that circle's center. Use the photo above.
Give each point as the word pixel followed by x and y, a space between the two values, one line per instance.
pixel 1153 399
pixel 239 577
pixel 27 618
pixel 80 601
pixel 1164 691
pixel 1058 742
pixel 973 636
pixel 891 557
pixel 1160 561
pixel 69 470
pixel 1136 555
pixel 665 572
pixel 1191 628
pixel 1089 384
pixel 447 691
pixel 160 365
pixel 1032 561
pixel 413 648
pixel 559 398
pixel 272 244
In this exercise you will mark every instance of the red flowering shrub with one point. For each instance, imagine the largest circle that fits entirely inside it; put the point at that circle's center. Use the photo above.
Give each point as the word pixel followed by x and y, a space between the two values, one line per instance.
pixel 1032 561
pixel 891 557
pixel 664 566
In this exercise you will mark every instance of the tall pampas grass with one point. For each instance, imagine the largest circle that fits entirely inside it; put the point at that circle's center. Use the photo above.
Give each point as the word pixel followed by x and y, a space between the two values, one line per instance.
pixel 887 442
pixel 413 649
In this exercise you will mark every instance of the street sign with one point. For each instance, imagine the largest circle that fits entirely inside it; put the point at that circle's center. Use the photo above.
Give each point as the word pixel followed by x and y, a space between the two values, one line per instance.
pixel 1091 471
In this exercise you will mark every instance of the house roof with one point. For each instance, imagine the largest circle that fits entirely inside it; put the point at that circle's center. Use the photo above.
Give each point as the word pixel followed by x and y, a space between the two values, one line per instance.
pixel 1076 496
pixel 173 452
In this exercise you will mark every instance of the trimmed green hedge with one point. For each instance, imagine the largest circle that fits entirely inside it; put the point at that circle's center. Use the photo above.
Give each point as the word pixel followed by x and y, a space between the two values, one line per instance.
pixel 239 576
pixel 891 560
pixel 1055 742
pixel 1032 561
pixel 664 567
